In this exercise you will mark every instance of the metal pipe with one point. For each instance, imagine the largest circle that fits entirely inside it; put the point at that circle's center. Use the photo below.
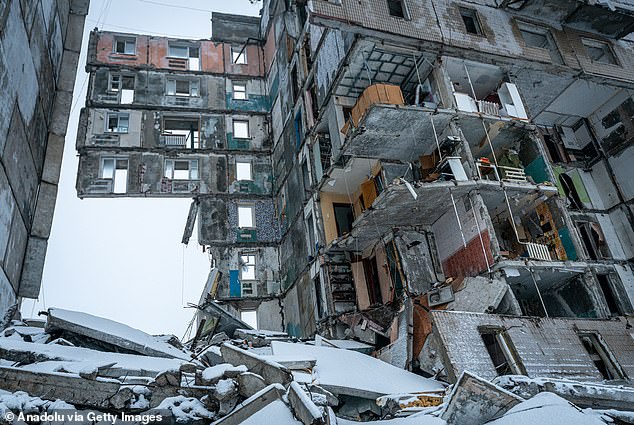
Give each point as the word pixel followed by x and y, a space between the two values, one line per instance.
pixel 455 210
pixel 539 293
pixel 486 259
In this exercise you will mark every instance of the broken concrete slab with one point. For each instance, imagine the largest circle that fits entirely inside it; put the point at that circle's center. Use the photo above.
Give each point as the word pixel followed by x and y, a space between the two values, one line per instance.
pixel 583 394
pixel 74 325
pixel 303 407
pixel 76 358
pixel 476 401
pixel 249 384
pixel 273 373
pixel 260 338
pixel 370 378
pixel 265 406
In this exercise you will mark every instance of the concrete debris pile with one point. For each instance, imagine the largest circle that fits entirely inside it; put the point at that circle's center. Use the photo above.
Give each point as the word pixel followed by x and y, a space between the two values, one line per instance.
pixel 76 361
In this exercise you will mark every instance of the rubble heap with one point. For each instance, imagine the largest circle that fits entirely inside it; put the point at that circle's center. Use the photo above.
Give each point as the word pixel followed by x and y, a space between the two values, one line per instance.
pixel 76 361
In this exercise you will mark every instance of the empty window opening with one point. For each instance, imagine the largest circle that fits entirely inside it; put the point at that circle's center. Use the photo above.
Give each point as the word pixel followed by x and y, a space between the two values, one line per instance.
pixel 115 169
pixel 250 317
pixel 601 356
pixel 190 53
pixel 608 294
pixel 396 8
pixel 179 87
pixel 123 84
pixel 240 91
pixel 306 176
pixel 181 169
pixel 539 37
pixel 243 170
pixel 240 129
pixel 344 217
pixel 471 21
pixel 125 45
pixel 117 122
pixel 318 297
pixel 246 216
pixel 310 231
pixel 181 132
pixel 239 55
pixel 371 273
pixel 599 51
pixel 501 351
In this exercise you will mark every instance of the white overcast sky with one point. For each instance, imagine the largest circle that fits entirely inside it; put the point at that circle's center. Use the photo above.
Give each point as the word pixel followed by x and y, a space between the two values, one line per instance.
pixel 122 258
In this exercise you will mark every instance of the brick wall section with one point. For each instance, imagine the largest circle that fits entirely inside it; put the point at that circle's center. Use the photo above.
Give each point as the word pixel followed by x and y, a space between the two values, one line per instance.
pixel 105 50
pixel 547 347
pixel 469 261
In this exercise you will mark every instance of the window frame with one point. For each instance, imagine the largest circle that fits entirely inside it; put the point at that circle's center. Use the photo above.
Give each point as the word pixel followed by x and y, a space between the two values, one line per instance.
pixel 118 128
pixel 234 91
pixel 173 81
pixel 552 49
pixel 193 172
pixel 113 175
pixel 587 43
pixel 404 9
pixel 241 121
pixel 251 208
pixel 467 12
pixel 244 162
pixel 126 41
pixel 235 55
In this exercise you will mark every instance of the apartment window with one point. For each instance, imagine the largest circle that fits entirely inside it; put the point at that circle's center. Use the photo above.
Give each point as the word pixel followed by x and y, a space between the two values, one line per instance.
pixel 240 91
pixel 501 351
pixel 124 85
pixel 125 45
pixel 239 54
pixel 396 8
pixel 599 51
pixel 601 356
pixel 250 317
pixel 243 170
pixel 178 87
pixel 247 274
pixel 181 169
pixel 116 170
pixel 117 122
pixel 471 21
pixel 183 132
pixel 189 53
pixel 240 129
pixel 246 216
pixel 541 38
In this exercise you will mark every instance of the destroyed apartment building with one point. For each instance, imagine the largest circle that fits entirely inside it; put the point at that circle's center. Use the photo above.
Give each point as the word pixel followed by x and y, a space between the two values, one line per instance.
pixel 355 166
pixel 426 205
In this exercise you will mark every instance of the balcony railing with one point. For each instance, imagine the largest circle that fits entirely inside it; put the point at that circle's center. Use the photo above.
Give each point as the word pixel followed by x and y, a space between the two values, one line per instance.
pixel 178 140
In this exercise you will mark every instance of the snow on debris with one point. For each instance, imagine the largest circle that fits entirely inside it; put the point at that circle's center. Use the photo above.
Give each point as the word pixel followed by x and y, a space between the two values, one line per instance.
pixel 418 420
pixel 350 369
pixel 185 409
pixel 101 325
pixel 547 409
pixel 276 412
pixel 215 372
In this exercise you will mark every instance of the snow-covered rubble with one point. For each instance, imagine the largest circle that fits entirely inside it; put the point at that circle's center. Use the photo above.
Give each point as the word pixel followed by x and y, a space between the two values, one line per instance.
pixel 80 361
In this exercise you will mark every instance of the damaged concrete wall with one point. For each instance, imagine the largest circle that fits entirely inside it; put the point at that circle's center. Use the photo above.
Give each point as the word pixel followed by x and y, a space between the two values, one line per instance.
pixel 544 347
pixel 39 53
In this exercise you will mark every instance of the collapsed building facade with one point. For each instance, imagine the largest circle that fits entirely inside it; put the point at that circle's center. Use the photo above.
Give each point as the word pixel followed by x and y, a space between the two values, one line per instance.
pixel 39 55
pixel 356 165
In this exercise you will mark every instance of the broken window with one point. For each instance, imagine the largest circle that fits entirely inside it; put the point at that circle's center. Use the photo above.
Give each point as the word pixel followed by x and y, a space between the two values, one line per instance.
pixel 247 274
pixel 123 84
pixel 115 169
pixel 243 170
pixel 125 45
pixel 501 350
pixel 250 317
pixel 239 91
pixel 310 231
pixel 599 51
pixel 246 216
pixel 240 129
pixel 239 54
pixel 181 169
pixel 181 132
pixel 601 355
pixel 306 175
pixel 189 53
pixel 181 87
pixel 396 8
pixel 608 294
pixel 540 37
pixel 344 217
pixel 117 122
pixel 471 21
pixel 371 273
